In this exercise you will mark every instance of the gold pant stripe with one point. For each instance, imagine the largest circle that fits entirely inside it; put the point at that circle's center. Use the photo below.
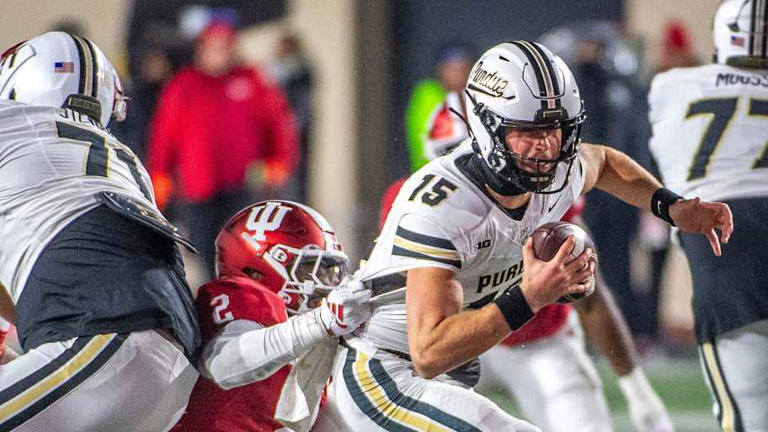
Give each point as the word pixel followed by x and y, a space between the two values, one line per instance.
pixel 386 406
pixel 60 376
pixel 728 419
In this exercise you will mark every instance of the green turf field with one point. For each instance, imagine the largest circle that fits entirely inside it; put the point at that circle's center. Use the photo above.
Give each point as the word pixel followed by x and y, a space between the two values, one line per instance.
pixel 679 384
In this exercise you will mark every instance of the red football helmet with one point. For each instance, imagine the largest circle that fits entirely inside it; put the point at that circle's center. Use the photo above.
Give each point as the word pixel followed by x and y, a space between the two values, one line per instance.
pixel 288 247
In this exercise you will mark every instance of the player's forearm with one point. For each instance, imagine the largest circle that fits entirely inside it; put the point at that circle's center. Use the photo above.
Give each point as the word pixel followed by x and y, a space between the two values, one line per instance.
pixel 237 357
pixel 625 179
pixel 456 340
pixel 606 329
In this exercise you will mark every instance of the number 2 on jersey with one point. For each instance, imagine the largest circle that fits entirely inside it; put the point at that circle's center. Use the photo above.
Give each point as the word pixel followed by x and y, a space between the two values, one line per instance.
pixel 439 192
pixel 723 111
pixel 220 304
pixel 98 154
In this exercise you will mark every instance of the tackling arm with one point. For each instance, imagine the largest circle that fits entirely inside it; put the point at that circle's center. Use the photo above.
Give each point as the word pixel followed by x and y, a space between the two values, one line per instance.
pixel 245 351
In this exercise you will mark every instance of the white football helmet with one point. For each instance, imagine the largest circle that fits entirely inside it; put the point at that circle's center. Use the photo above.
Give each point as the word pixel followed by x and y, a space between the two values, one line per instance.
pixel 522 84
pixel 64 71
pixel 741 33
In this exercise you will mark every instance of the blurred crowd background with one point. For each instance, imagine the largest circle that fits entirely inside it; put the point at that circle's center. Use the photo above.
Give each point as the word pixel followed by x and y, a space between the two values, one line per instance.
pixel 326 102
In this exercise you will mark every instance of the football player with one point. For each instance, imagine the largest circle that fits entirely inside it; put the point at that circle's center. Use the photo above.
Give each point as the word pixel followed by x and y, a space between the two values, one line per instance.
pixel 92 273
pixel 269 346
pixel 446 270
pixel 710 126
pixel 554 373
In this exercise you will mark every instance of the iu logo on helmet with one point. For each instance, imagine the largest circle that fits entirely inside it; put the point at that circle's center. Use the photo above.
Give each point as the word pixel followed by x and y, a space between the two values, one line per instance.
pixel 263 218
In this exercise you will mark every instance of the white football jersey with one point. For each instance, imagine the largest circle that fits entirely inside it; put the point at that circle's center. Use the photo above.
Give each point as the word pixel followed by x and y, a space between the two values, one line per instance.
pixel 710 131
pixel 441 218
pixel 53 163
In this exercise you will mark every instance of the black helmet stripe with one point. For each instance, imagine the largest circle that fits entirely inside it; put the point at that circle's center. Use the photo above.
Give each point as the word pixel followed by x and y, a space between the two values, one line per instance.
pixel 759 28
pixel 86 66
pixel 95 63
pixel 81 56
pixel 541 68
pixel 550 69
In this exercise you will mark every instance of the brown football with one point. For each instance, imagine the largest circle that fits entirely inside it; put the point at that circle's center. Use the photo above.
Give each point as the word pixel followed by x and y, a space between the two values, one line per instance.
pixel 548 238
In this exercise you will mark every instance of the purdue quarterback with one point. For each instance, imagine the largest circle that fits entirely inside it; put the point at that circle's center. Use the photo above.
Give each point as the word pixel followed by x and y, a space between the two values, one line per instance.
pixel 453 271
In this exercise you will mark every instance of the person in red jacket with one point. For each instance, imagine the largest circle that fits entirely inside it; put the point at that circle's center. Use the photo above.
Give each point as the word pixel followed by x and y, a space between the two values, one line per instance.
pixel 552 372
pixel 221 135
pixel 269 340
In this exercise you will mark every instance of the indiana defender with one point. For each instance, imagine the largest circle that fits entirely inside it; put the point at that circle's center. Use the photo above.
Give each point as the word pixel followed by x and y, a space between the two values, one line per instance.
pixel 463 220
pixel 268 347
pixel 92 273
pixel 554 373
pixel 710 141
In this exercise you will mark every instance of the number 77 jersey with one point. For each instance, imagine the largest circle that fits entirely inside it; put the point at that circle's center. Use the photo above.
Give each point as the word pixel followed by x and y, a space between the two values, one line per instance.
pixel 53 164
pixel 710 131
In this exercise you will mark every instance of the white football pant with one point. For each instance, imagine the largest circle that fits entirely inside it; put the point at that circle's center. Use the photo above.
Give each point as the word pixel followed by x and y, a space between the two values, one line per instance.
pixel 134 382
pixel 382 392
pixel 736 370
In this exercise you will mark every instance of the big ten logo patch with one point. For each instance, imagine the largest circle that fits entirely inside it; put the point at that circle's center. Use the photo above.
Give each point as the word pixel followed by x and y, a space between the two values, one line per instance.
pixel 264 218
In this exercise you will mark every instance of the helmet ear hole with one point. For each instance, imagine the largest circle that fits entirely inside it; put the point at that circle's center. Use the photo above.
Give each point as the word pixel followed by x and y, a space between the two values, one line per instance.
pixel 487 119
pixel 253 273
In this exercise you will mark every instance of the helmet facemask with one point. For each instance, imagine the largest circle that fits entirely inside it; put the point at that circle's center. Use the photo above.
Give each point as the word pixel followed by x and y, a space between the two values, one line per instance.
pixel 505 166
pixel 120 106
pixel 309 274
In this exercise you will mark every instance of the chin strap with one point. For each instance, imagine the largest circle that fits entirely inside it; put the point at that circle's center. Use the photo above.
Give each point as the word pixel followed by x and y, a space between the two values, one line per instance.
pixel 491 179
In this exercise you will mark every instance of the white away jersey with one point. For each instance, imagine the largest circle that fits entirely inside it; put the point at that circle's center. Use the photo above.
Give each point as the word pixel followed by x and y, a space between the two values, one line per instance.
pixel 710 130
pixel 441 218
pixel 53 163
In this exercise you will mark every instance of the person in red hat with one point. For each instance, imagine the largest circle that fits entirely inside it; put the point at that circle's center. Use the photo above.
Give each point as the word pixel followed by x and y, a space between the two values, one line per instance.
pixel 677 50
pixel 221 135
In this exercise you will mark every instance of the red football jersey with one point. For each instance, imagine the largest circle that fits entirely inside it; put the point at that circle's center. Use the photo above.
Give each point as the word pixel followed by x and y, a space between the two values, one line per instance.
pixel 250 407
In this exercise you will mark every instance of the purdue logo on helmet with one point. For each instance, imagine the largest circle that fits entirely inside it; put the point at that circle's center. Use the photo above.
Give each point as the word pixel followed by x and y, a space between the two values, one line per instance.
pixel 741 33
pixel 522 85
pixel 64 71
pixel 488 82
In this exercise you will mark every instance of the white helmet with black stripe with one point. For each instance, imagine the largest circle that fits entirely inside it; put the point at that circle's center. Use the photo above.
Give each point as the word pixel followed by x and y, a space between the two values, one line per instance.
pixel 741 33
pixel 61 70
pixel 522 85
